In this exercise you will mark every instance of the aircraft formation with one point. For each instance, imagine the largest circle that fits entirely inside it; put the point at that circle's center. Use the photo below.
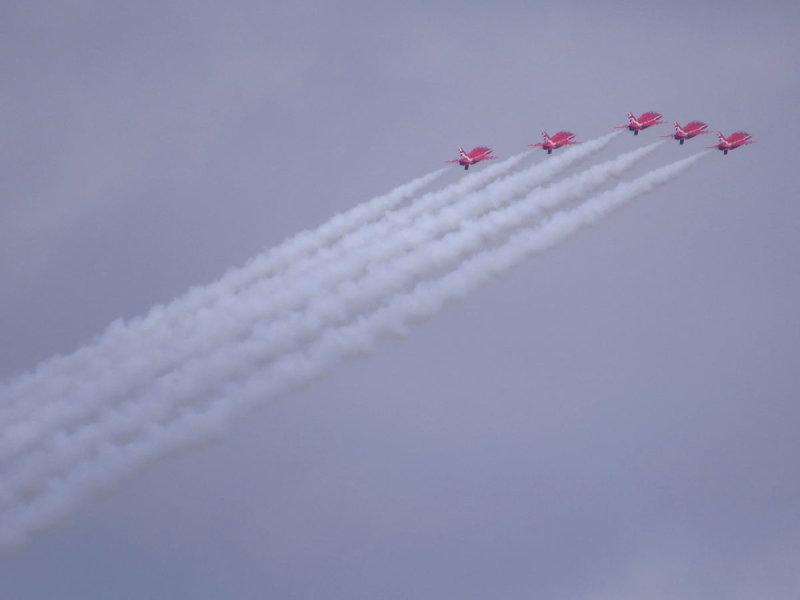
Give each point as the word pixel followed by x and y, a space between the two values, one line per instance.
pixel 635 124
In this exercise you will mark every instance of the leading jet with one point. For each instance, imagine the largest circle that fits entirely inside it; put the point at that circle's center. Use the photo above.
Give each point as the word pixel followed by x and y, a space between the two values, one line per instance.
pixel 733 141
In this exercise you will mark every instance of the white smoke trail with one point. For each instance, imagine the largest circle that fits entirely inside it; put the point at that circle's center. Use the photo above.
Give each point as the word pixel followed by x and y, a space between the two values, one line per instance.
pixel 214 332
pixel 238 360
pixel 19 396
pixel 337 344
pixel 22 400
pixel 22 396
pixel 176 345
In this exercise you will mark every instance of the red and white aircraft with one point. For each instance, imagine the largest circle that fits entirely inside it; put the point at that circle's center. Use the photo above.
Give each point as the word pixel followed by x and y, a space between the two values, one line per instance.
pixel 647 119
pixel 476 155
pixel 562 138
pixel 733 141
pixel 691 130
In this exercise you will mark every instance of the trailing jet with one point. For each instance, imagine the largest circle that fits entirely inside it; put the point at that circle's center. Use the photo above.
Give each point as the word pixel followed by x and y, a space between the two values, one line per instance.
pixel 562 138
pixel 647 119
pixel 476 155
pixel 686 133
pixel 733 141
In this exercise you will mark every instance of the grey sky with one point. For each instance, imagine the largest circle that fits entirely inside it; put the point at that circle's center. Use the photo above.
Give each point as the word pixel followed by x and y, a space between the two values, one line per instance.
pixel 616 419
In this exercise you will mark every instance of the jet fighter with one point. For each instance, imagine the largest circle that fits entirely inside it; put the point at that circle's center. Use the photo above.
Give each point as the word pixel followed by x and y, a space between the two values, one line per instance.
pixel 686 133
pixel 733 141
pixel 476 155
pixel 562 138
pixel 647 119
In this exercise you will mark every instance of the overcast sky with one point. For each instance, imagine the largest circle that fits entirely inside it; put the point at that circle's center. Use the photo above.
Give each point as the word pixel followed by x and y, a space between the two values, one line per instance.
pixel 616 419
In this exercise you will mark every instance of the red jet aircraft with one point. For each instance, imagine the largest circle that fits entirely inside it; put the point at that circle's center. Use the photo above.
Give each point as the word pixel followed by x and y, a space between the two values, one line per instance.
pixel 686 133
pixel 647 119
pixel 562 138
pixel 733 141
pixel 475 155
